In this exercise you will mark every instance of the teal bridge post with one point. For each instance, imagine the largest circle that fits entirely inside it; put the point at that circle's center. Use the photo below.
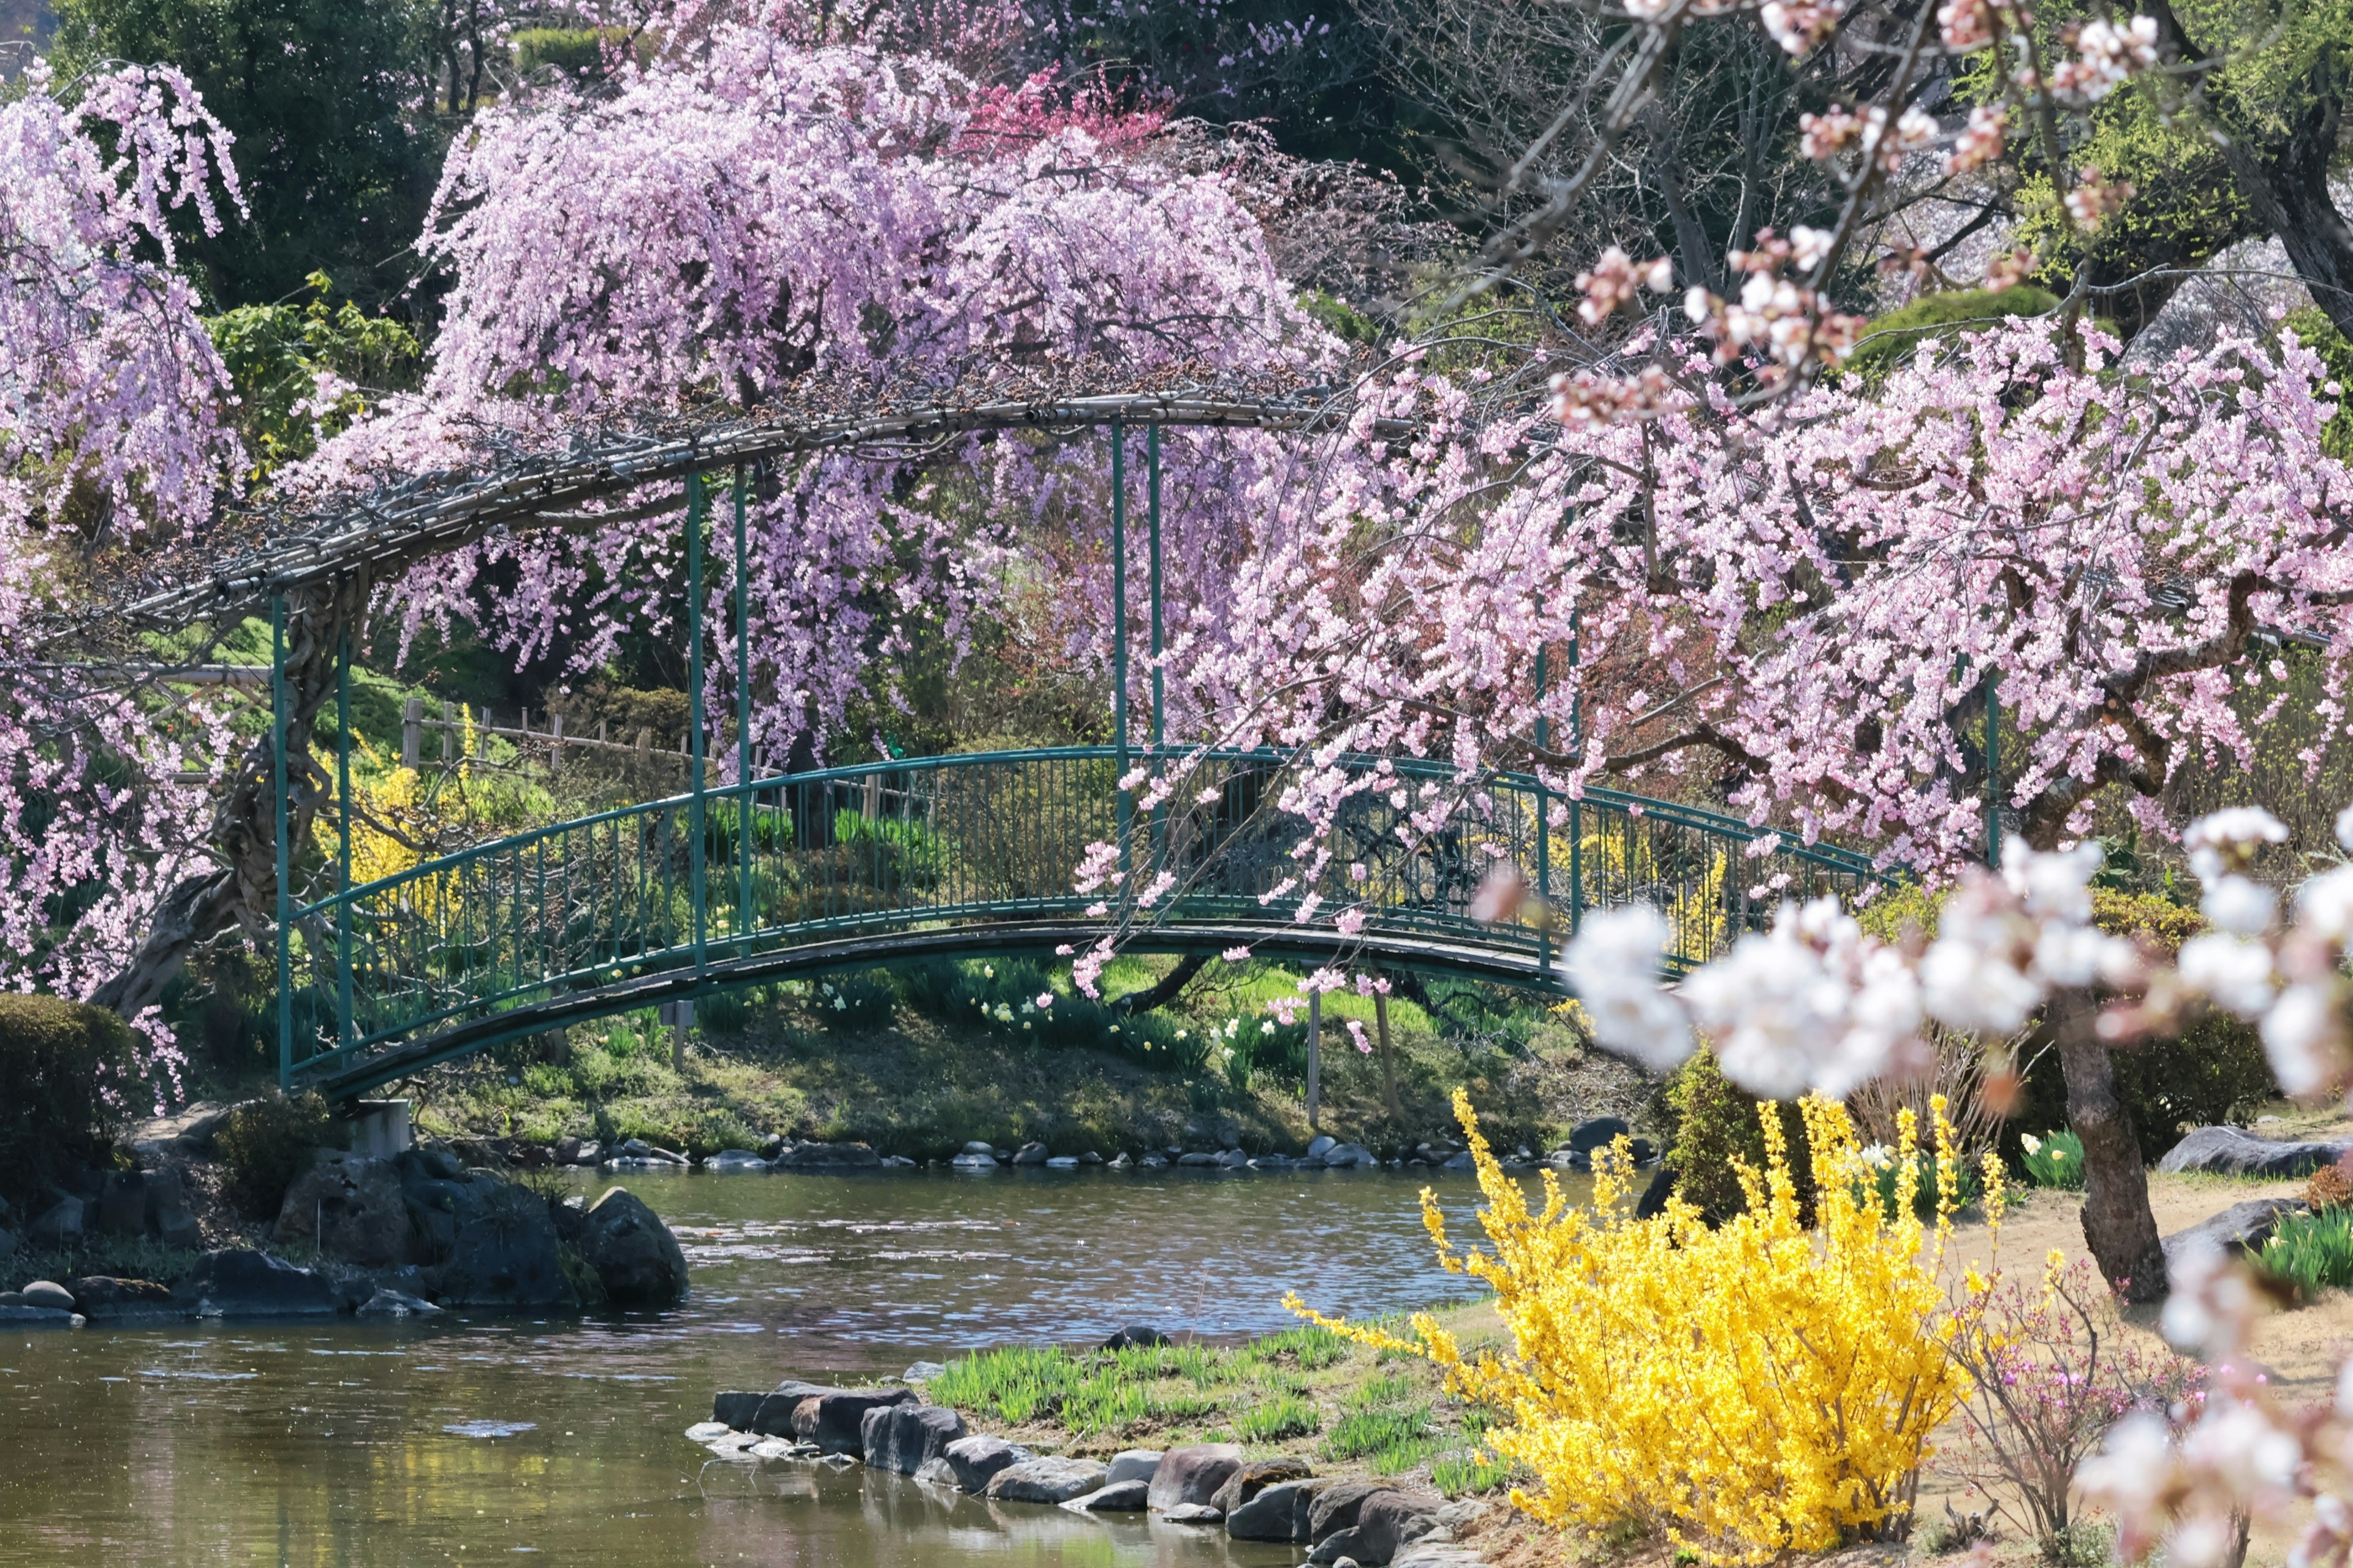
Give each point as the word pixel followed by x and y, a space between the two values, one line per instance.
pixel 974 855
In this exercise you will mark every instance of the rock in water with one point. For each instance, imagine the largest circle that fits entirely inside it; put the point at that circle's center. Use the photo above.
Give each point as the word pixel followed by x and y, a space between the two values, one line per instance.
pixel 1193 1513
pixel 1321 1144
pixel 1193 1474
pixel 974 1460
pixel 734 1159
pixel 2234 1151
pixel 1132 1465
pixel 240 1283
pixel 16 1315
pixel 48 1293
pixel 105 1300
pixel 1031 1154
pixel 1282 1511
pixel 835 1420
pixel 1253 1477
pixel 974 1162
pixel 905 1437
pixel 828 1157
pixel 350 1207
pixel 503 1251
pixel 396 1304
pixel 2244 1226
pixel 1348 1156
pixel 1054 1479
pixel 1112 1497
pixel 633 1252
pixel 937 1472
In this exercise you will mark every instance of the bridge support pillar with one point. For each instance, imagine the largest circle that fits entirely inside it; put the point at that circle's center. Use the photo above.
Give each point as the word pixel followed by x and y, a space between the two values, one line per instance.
pixel 1315 1056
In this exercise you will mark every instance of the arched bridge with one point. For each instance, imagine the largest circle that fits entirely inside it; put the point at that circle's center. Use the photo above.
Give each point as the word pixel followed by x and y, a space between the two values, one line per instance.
pixel 964 854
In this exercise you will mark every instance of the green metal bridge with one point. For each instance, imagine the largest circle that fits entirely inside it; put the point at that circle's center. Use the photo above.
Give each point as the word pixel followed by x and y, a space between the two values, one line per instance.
pixel 729 885
pixel 963 855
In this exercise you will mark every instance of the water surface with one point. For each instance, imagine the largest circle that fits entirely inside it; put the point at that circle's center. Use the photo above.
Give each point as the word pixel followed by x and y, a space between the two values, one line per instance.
pixel 497 1439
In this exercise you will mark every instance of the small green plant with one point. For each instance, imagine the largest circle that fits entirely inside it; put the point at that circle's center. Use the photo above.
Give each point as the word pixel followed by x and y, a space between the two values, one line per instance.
pixel 2054 1159
pixel 855 1000
pixel 1458 1475
pixel 265 1143
pixel 1271 1421
pixel 2314 1252
pixel 1893 1184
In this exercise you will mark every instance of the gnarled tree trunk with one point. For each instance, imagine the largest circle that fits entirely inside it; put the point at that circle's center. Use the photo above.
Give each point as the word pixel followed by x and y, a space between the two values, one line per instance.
pixel 242 889
pixel 2119 1225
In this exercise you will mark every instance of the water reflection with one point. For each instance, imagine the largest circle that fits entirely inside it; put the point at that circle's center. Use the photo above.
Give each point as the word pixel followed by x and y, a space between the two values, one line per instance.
pixel 362 1444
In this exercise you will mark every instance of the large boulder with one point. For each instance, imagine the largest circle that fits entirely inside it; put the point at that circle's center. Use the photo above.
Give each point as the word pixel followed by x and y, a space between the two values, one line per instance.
pixel 1132 1465
pixel 828 1157
pixel 769 1415
pixel 60 1224
pixel 1052 1478
pixel 349 1207
pixel 1112 1497
pixel 2235 1152
pixel 1348 1156
pixel 2241 1227
pixel 504 1251
pixel 48 1293
pixel 237 1282
pixel 1030 1153
pixel 1389 1519
pixel 1193 1474
pixel 103 1298
pixel 973 1461
pixel 632 1251
pixel 835 1420
pixel 188 1132
pixel 1282 1511
pixel 1335 1508
pixel 1253 1477
pixel 904 1437
pixel 168 1219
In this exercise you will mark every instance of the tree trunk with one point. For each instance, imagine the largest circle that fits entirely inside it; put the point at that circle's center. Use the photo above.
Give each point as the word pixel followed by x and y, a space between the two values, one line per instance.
pixel 2119 1225
pixel 2284 177
pixel 243 889
pixel 1388 1068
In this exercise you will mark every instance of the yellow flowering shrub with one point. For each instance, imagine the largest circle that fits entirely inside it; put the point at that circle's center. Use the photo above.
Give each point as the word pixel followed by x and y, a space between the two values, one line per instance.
pixel 1751 1389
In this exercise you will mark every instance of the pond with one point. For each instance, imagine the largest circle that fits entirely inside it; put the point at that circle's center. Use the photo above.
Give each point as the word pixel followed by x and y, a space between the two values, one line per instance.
pixel 484 1439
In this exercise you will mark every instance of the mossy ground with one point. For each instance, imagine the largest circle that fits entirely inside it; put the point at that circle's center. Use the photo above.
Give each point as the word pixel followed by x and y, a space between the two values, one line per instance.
pixel 1344 1407
pixel 911 1083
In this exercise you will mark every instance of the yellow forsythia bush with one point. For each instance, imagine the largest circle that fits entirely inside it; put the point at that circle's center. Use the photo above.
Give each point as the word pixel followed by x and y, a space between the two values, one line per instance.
pixel 1747 1390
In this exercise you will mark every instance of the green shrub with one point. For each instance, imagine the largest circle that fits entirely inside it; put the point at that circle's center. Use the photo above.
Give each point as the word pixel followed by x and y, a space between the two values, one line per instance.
pixel 267 1142
pixel 2314 1252
pixel 57 1061
pixel 1717 1124
pixel 1890 341
pixel 2053 1160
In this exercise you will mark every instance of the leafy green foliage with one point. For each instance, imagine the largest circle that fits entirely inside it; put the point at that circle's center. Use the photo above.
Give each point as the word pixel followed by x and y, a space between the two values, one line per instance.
pixel 1275 1418
pixel 56 1058
pixel 1110 1391
pixel 336 169
pixel 2314 1252
pixel 1891 339
pixel 265 1144
pixel 859 1000
pixel 302 372
pixel 572 52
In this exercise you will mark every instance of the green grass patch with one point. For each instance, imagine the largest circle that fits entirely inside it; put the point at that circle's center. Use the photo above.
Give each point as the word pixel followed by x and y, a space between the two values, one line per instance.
pixel 1285 1415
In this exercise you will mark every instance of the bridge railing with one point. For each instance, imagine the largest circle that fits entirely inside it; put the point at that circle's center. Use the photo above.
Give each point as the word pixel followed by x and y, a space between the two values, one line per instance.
pixel 939 843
